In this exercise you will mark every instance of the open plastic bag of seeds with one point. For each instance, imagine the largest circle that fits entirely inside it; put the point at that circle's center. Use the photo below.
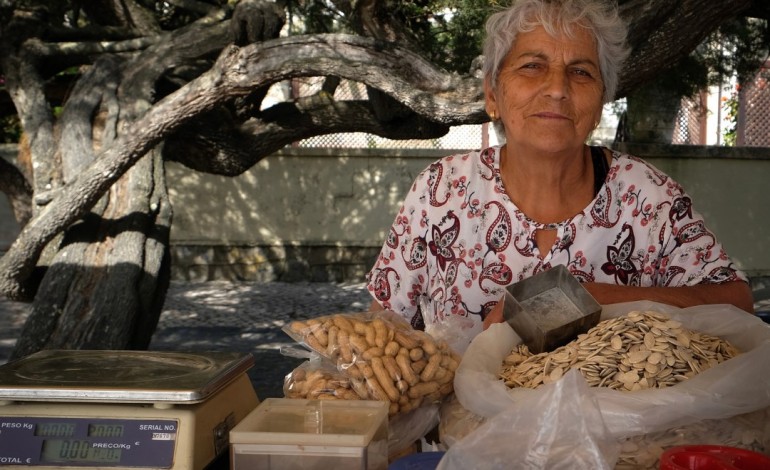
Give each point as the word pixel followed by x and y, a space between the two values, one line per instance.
pixel 649 368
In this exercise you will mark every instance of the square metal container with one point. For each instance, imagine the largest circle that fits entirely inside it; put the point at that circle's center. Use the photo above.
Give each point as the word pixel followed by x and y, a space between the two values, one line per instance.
pixel 550 309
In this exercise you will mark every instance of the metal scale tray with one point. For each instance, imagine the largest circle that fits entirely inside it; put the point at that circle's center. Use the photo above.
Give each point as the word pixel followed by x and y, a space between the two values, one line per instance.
pixel 120 376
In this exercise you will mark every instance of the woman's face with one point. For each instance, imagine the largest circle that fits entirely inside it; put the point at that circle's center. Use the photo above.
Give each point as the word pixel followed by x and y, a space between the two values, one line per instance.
pixel 549 91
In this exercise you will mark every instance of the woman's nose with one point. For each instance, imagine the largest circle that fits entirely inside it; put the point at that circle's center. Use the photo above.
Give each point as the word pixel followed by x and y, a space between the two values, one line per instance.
pixel 556 84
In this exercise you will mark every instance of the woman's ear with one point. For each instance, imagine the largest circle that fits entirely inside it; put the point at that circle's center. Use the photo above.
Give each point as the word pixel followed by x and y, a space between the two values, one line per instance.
pixel 598 118
pixel 490 102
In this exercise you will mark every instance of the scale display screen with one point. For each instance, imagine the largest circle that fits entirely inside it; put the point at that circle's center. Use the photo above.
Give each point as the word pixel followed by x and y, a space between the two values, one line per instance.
pixel 87 442
pixel 77 450
pixel 151 410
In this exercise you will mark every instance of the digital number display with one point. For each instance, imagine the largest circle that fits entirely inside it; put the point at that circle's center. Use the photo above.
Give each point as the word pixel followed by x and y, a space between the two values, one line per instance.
pixel 105 430
pixel 77 450
pixel 55 429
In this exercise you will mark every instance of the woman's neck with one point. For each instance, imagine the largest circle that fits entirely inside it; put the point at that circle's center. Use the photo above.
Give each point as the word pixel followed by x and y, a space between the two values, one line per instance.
pixel 548 187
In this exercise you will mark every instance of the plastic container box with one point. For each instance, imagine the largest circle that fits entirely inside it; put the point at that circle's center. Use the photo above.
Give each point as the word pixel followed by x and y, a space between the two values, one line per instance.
pixel 287 433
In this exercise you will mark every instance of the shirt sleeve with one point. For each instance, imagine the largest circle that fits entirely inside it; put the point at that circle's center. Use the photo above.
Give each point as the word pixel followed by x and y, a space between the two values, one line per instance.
pixel 400 273
pixel 690 252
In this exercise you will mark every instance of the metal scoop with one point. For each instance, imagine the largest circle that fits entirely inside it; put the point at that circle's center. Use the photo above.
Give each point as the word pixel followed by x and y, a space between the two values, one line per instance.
pixel 550 309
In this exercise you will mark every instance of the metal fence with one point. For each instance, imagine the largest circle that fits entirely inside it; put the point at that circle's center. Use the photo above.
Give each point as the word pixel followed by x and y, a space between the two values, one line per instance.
pixel 458 137
pixel 754 117
pixel 752 122
pixel 690 124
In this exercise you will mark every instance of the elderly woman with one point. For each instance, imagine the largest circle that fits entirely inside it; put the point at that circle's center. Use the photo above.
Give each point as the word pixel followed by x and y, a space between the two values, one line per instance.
pixel 474 223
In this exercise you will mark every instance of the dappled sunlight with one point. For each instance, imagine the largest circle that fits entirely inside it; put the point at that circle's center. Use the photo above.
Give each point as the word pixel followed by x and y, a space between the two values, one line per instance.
pixel 293 199
pixel 316 207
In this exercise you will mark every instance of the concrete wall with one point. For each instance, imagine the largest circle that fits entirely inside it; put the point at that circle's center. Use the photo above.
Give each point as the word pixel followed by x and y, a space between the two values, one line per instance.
pixel 301 215
pixel 321 215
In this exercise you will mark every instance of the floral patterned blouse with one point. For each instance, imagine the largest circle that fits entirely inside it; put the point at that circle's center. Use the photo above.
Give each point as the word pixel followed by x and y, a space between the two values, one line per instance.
pixel 458 239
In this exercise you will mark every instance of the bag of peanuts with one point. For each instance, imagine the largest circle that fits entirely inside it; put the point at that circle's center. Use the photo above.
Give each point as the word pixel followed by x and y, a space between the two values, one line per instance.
pixel 375 356
pixel 318 379
pixel 383 357
pixel 646 369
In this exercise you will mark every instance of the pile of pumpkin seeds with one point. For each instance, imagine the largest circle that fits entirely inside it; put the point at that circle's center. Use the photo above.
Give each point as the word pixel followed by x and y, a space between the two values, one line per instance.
pixel 641 350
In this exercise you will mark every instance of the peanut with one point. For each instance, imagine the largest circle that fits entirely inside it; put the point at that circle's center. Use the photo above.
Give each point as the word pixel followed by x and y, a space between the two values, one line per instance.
pixel 392 367
pixel 402 360
pixel 380 332
pixel 314 344
pixel 372 352
pixel 416 354
pixel 358 344
pixel 359 327
pixel 343 323
pixel 332 347
pixel 370 334
pixel 428 345
pixel 385 382
pixel 297 326
pixel 422 389
pixel 392 348
pixel 346 353
pixel 405 340
pixel 418 366
pixel 375 389
pixel 382 360
pixel 430 369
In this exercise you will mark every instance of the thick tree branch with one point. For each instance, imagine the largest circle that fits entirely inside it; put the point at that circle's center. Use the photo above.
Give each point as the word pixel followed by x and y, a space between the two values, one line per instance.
pixel 97 87
pixel 236 73
pixel 19 192
pixel 656 33
pixel 79 51
pixel 26 89
pixel 194 6
pixel 126 13
pixel 232 151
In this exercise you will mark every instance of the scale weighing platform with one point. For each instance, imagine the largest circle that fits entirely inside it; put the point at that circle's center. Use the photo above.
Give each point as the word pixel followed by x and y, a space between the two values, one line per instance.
pixel 121 409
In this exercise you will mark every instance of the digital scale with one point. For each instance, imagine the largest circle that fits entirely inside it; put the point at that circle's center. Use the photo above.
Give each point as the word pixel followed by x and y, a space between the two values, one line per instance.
pixel 80 409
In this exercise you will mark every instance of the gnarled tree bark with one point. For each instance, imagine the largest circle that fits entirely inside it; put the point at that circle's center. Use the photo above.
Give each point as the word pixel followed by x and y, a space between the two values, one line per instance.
pixel 100 212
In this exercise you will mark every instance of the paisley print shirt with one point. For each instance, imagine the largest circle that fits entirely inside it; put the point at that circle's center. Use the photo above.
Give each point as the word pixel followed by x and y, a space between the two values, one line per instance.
pixel 458 239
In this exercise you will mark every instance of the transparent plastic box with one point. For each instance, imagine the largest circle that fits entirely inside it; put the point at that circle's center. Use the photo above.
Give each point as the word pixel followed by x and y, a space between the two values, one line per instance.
pixel 287 434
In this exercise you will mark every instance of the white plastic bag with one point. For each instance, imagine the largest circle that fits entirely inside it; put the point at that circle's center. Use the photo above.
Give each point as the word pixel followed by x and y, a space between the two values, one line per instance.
pixel 559 428
pixel 738 386
pixel 456 330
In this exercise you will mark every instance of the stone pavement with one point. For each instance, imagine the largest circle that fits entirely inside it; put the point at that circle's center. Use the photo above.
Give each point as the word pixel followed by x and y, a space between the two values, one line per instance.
pixel 227 316
pixel 240 317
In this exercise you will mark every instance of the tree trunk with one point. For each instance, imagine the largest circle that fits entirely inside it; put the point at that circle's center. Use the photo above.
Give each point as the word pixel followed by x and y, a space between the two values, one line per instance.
pixel 94 255
pixel 651 114
pixel 106 286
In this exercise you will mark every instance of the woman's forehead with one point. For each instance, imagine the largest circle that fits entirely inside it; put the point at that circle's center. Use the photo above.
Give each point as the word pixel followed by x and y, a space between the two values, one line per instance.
pixel 541 43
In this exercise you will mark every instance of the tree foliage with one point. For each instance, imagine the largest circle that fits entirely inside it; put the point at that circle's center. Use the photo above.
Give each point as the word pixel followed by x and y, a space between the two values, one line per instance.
pixel 107 90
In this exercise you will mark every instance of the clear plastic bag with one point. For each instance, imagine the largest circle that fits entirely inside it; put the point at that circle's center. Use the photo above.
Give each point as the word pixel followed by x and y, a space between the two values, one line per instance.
pixel 320 378
pixel 554 429
pixel 383 357
pixel 456 330
pixel 738 386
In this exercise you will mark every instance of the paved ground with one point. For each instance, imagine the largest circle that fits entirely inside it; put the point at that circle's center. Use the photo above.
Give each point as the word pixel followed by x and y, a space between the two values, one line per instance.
pixel 225 316
pixel 241 317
